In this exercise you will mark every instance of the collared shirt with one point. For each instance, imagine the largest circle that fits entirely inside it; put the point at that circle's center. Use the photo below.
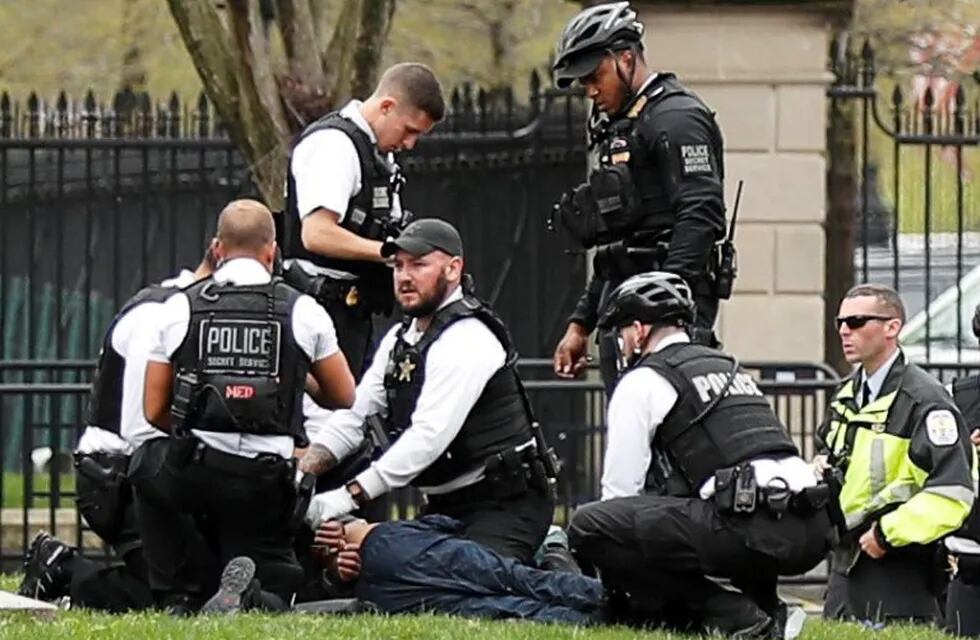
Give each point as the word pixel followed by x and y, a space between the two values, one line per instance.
pixel 312 328
pixel 130 340
pixel 326 169
pixel 642 400
pixel 458 366
pixel 876 379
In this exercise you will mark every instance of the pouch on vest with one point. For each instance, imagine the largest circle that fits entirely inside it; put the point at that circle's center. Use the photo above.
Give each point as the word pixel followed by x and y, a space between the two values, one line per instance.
pixel 615 198
pixel 240 404
pixel 736 489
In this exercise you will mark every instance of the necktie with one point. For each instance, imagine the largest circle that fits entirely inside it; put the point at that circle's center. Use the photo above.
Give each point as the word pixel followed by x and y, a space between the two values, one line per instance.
pixel 865 394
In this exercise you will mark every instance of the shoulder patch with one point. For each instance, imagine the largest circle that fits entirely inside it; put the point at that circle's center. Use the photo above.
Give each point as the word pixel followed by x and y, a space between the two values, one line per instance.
pixel 696 160
pixel 941 427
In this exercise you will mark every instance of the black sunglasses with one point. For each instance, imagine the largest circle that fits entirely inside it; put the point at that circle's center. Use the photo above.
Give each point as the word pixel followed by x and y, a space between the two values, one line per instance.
pixel 856 322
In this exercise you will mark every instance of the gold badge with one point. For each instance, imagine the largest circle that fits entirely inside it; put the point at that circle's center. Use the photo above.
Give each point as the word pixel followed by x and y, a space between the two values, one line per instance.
pixel 405 369
pixel 352 297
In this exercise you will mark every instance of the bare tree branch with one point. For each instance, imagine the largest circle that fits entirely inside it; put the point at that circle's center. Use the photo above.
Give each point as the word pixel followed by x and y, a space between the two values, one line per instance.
pixel 299 40
pixel 210 48
pixel 375 24
pixel 340 53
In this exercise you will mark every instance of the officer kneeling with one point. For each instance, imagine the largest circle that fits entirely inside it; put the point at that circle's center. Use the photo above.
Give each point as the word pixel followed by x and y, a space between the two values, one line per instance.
pixel 725 492
pixel 454 410
pixel 225 376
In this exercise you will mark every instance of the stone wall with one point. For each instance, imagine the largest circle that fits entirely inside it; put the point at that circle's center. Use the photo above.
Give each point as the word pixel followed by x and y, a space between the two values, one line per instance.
pixel 763 70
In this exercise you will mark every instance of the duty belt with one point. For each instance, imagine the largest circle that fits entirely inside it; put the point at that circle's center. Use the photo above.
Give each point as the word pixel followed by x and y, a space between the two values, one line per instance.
pixel 238 465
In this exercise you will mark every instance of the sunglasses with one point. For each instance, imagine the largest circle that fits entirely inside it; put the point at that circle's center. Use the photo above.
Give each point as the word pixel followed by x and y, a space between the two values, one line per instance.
pixel 856 322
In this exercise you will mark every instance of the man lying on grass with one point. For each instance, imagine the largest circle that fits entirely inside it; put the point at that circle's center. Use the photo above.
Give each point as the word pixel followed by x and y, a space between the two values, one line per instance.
pixel 423 565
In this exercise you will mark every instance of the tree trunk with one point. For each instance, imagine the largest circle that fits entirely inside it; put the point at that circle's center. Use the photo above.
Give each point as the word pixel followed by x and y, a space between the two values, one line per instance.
pixel 841 214
pixel 262 98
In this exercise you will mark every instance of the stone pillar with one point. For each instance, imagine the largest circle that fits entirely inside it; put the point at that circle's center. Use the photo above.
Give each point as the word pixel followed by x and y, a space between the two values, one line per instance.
pixel 763 69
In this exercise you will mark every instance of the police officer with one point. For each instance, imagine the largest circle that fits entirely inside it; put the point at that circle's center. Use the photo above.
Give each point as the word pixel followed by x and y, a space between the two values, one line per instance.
pixel 656 199
pixel 115 427
pixel 700 478
pixel 342 198
pixel 457 424
pixel 963 596
pixel 906 469
pixel 225 375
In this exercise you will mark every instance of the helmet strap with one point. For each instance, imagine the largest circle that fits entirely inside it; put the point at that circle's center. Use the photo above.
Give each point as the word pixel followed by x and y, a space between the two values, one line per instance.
pixel 626 80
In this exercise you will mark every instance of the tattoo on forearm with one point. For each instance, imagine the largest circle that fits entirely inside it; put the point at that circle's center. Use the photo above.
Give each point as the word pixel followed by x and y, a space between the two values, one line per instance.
pixel 317 460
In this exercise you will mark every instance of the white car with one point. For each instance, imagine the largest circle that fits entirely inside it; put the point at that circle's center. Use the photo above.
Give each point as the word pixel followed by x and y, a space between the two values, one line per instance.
pixel 943 334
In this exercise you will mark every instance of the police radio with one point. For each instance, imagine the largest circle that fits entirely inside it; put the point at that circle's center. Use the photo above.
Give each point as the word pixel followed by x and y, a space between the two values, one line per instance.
pixel 726 265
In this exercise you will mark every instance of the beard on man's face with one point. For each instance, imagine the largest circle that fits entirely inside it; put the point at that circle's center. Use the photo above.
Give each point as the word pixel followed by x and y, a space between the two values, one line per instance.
pixel 427 305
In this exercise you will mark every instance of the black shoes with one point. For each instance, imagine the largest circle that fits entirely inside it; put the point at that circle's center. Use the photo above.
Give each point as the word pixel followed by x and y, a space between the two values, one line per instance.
pixel 47 574
pixel 238 589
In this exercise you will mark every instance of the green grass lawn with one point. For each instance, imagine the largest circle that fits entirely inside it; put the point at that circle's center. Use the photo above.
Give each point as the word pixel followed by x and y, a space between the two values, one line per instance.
pixel 13 488
pixel 152 626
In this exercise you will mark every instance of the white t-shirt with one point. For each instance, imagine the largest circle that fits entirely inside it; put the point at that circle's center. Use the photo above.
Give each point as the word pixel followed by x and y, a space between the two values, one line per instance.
pixel 326 170
pixel 312 328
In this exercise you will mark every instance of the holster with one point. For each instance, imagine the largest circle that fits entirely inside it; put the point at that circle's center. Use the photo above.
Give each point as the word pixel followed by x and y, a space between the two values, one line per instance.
pixel 506 474
pixel 304 494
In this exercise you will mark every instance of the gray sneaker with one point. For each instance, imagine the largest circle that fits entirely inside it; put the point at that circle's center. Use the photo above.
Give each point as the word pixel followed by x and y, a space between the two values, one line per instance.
pixel 237 590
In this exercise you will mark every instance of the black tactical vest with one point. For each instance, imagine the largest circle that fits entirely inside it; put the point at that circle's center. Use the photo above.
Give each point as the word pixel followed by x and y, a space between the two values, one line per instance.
pixel 720 418
pixel 496 422
pixel 368 213
pixel 966 394
pixel 105 401
pixel 241 348
pixel 627 142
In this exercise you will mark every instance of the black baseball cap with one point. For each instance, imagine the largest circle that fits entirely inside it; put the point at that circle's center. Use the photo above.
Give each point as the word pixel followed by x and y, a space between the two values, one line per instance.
pixel 425 236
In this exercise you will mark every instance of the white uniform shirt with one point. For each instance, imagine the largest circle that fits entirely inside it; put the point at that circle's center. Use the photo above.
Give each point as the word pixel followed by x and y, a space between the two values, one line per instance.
pixel 642 400
pixel 458 366
pixel 312 328
pixel 876 379
pixel 326 169
pixel 130 340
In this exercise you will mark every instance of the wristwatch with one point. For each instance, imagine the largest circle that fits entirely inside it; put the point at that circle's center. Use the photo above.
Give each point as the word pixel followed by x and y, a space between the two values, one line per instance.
pixel 357 493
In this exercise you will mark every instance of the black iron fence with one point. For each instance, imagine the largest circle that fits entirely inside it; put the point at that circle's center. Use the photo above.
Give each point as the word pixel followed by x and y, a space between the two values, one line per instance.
pixel 98 199
pixel 918 197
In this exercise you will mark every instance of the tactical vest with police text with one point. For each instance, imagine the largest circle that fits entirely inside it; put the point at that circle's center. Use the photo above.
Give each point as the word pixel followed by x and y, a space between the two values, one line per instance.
pixel 498 419
pixel 249 369
pixel 720 418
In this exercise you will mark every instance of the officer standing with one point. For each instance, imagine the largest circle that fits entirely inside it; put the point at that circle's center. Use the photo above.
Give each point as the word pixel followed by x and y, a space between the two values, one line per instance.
pixel 225 376
pixel 342 198
pixel 115 427
pixel 656 200
pixel 963 596
pixel 904 463
pixel 455 414
pixel 700 478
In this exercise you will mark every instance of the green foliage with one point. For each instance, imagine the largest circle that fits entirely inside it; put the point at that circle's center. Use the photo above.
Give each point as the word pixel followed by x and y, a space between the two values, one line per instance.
pixel 46 52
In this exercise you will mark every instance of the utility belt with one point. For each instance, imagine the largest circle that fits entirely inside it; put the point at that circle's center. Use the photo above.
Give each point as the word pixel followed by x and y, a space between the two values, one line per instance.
pixel 509 474
pixel 621 259
pixel 186 450
pixel 738 493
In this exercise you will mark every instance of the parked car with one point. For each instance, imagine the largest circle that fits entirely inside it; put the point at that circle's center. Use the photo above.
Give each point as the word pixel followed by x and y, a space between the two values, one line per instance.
pixel 949 342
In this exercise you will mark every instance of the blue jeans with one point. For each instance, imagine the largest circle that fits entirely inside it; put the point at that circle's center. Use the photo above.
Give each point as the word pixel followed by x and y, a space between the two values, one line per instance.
pixel 423 565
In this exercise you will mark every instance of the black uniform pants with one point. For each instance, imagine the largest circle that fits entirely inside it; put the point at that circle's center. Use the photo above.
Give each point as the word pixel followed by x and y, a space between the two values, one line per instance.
pixel 905 584
pixel 105 501
pixel 660 550
pixel 241 506
pixel 513 527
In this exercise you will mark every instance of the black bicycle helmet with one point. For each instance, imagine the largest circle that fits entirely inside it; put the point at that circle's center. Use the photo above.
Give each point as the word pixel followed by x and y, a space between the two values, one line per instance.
pixel 652 297
pixel 590 35
pixel 976 321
